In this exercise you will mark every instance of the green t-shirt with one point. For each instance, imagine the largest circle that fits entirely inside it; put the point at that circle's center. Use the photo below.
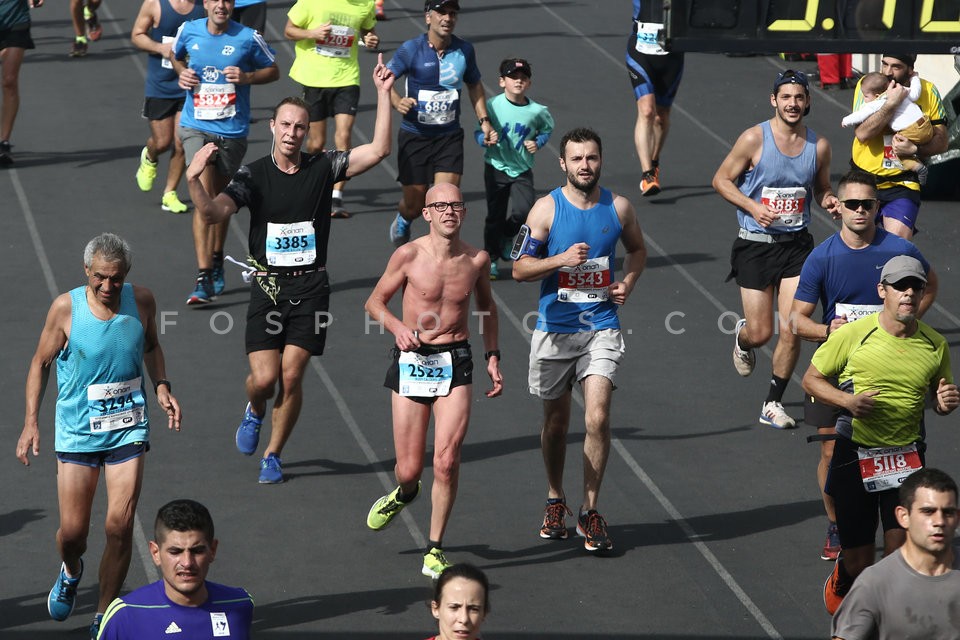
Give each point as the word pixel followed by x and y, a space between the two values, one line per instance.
pixel 332 62
pixel 864 357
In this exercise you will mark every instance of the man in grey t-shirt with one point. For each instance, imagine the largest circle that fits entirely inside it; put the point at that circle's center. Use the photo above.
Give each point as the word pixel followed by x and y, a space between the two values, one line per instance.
pixel 913 592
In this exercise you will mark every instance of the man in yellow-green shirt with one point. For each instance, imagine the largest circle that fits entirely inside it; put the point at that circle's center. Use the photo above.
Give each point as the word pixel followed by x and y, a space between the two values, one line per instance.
pixel 886 364
pixel 327 33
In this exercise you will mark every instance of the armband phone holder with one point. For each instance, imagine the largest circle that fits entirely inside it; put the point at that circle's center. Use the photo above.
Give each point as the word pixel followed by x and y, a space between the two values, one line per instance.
pixel 525 244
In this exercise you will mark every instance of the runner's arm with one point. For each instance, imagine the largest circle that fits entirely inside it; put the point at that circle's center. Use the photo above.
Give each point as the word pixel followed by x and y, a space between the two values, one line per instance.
pixel 822 191
pixel 817 385
pixel 636 257
pixel 369 155
pixel 528 268
pixel 153 358
pixel 878 123
pixel 489 326
pixel 393 278
pixel 803 324
pixel 737 162
pixel 479 101
pixel 929 293
pixel 210 210
pixel 53 338
pixel 140 34
pixel 295 32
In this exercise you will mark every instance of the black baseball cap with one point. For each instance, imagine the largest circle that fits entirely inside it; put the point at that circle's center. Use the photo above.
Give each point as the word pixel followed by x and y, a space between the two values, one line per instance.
pixel 440 5
pixel 906 58
pixel 791 77
pixel 513 65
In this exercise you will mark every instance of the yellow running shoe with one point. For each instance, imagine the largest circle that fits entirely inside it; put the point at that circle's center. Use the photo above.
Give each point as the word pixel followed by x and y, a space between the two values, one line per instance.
pixel 147 172
pixel 170 202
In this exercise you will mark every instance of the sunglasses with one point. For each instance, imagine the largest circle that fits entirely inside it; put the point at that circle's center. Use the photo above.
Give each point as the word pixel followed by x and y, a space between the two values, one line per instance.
pixel 908 283
pixel 442 206
pixel 853 204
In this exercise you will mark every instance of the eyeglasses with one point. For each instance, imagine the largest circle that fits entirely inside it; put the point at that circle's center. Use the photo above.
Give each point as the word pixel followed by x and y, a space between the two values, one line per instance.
pixel 853 204
pixel 908 283
pixel 457 206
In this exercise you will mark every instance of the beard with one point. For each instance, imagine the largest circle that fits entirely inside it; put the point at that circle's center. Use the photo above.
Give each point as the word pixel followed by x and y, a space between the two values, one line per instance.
pixel 586 185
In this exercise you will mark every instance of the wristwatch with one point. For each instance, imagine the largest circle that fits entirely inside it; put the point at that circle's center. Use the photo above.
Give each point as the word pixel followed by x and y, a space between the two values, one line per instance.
pixel 495 352
pixel 482 120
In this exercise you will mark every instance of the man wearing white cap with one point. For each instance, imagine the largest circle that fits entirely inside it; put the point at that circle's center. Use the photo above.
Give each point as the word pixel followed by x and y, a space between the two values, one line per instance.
pixel 886 364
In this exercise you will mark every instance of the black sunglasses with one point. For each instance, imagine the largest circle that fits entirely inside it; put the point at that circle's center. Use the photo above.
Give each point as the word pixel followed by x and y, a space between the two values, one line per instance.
pixel 853 204
pixel 908 283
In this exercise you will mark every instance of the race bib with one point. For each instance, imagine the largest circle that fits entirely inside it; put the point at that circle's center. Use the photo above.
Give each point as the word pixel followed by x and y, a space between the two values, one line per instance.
pixel 425 376
pixel 338 43
pixel 647 42
pixel 115 405
pixel 215 101
pixel 856 311
pixel 165 62
pixel 789 204
pixel 587 282
pixel 437 107
pixel 890 159
pixel 291 245
pixel 887 467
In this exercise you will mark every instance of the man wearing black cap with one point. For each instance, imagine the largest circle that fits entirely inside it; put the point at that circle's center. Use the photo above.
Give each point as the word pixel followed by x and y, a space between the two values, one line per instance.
pixel 886 364
pixel 437 65
pixel 772 174
pixel 876 148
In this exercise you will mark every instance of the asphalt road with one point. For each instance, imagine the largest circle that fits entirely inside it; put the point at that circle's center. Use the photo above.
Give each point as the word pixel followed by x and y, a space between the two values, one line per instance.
pixel 716 521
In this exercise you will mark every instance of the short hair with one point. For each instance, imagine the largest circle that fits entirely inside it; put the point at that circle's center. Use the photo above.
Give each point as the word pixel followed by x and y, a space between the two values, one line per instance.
pixel 183 515
pixel 874 82
pixel 580 134
pixel 467 572
pixel 111 248
pixel 296 101
pixel 858 176
pixel 926 478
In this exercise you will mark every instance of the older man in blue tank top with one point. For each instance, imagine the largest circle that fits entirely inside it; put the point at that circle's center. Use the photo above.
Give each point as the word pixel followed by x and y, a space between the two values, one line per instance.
pixel 100 336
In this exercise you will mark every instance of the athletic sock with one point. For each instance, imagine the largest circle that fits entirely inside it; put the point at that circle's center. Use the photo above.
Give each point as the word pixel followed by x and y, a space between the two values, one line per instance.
pixel 434 544
pixel 777 387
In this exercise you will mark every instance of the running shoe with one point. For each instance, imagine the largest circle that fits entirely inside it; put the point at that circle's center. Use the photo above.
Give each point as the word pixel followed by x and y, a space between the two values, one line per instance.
pixel 831 545
pixel 63 595
pixel 494 271
pixel 79 48
pixel 434 563
pixel 271 471
pixel 248 433
pixel 337 210
pixel 95 626
pixel 400 231
pixel 170 202
pixel 554 527
pixel 593 529
pixel 384 509
pixel 650 182
pixel 773 415
pixel 743 359
pixel 6 158
pixel 147 173
pixel 219 284
pixel 833 591
pixel 203 293
pixel 94 28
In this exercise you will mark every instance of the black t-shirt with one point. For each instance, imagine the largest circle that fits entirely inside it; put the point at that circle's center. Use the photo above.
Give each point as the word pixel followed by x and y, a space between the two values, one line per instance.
pixel 282 208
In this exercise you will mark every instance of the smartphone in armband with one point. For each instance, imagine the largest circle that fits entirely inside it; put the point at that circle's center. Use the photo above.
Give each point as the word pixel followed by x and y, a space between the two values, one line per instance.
pixel 520 242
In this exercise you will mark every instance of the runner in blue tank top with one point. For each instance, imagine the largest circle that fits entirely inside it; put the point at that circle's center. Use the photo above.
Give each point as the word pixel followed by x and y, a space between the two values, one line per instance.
pixel 225 58
pixel 772 174
pixel 153 32
pixel 569 244
pixel 101 336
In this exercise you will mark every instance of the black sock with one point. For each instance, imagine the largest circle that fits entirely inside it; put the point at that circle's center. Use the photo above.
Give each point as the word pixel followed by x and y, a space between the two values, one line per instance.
pixel 217 259
pixel 407 497
pixel 777 387
pixel 433 544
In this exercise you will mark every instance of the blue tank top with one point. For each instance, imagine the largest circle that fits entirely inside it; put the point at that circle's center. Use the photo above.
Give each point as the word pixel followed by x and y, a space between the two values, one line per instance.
pixel 574 298
pixel 784 180
pixel 100 399
pixel 161 78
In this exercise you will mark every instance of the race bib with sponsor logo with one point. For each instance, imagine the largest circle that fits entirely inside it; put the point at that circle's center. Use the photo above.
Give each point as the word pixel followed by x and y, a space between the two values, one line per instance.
pixel 115 405
pixel 425 376
pixel 788 203
pixel 887 467
pixel 437 107
pixel 587 282
pixel 291 245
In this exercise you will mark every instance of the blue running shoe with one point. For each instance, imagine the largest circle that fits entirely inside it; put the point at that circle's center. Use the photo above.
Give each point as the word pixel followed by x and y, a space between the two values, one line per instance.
pixel 218 282
pixel 95 626
pixel 248 433
pixel 400 231
pixel 203 293
pixel 270 470
pixel 63 596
